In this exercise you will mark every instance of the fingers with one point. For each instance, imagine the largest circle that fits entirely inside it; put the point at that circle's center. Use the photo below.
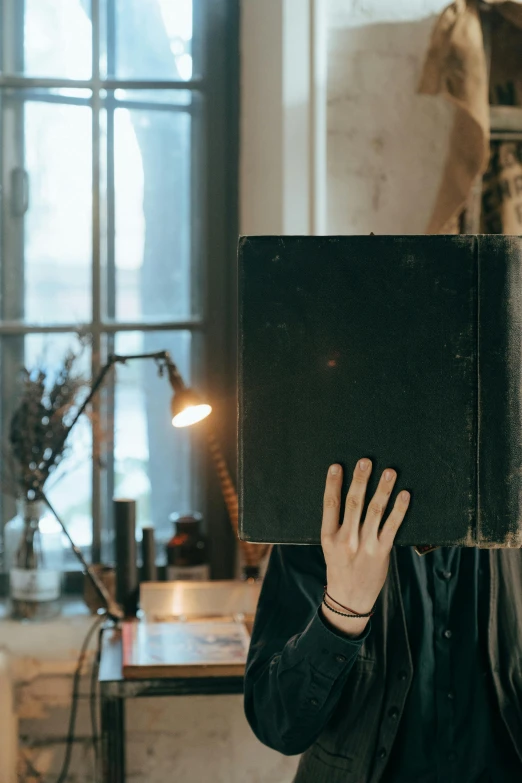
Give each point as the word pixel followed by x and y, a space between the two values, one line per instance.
pixel 355 500
pixel 377 504
pixel 332 501
pixel 351 528
pixel 394 521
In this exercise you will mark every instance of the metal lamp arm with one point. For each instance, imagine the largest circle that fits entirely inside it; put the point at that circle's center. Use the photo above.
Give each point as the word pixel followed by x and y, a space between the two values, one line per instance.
pixel 164 361
pixel 114 610
pixel 163 358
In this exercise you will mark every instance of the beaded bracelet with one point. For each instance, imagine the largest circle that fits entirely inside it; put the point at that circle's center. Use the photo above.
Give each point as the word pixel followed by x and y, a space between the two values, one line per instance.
pixel 352 613
pixel 343 614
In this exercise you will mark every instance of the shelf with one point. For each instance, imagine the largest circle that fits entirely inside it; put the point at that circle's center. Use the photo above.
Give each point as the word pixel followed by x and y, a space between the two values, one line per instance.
pixel 505 121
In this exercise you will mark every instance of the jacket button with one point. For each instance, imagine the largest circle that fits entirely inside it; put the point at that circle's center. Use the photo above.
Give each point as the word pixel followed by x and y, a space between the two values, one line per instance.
pixel 382 753
pixel 448 634
pixel 393 713
pixel 314 702
pixel 451 695
pixel 340 658
pixel 402 675
pixel 452 756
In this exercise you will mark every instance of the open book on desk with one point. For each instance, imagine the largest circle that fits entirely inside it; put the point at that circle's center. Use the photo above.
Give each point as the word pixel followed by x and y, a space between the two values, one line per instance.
pixel 188 649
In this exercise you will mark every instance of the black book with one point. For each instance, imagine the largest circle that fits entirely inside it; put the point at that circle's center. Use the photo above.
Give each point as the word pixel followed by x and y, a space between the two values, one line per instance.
pixel 403 349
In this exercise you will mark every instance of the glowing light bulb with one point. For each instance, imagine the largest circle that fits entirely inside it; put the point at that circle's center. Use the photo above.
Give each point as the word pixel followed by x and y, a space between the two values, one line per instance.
pixel 191 415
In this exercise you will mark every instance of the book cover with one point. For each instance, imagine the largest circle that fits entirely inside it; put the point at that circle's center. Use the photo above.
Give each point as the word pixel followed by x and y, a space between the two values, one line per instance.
pixel 403 349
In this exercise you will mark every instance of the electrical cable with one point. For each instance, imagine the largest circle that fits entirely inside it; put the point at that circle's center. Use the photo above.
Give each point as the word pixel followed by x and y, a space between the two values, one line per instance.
pixel 74 704
pixel 93 704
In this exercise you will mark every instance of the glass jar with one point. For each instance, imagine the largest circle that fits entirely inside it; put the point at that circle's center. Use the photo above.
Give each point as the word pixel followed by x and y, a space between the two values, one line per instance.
pixel 34 558
pixel 187 549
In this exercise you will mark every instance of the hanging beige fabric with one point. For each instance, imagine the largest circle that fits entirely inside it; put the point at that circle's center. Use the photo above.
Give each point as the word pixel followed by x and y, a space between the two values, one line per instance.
pixel 456 67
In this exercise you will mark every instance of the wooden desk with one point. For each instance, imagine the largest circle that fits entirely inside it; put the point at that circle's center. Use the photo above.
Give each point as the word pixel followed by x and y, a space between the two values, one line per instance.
pixel 114 690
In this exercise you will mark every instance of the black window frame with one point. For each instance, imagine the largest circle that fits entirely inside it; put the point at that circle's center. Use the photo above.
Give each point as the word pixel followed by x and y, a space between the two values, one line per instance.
pixel 216 373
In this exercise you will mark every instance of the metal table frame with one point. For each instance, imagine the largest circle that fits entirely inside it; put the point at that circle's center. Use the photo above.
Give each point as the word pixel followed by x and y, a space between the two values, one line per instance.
pixel 114 690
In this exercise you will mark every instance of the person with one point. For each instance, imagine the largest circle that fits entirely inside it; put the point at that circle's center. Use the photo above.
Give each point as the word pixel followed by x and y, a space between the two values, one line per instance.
pixel 378 665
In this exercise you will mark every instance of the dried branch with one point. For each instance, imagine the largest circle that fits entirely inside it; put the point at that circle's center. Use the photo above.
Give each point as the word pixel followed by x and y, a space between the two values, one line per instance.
pixel 40 425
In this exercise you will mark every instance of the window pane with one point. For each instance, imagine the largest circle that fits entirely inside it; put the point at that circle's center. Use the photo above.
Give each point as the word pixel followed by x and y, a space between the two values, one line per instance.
pixel 69 489
pixel 153 460
pixel 154 247
pixel 154 40
pixel 48 226
pixel 57 38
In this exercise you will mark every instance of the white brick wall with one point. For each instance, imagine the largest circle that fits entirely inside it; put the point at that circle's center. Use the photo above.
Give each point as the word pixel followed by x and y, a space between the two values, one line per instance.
pixel 168 738
pixel 199 738
pixel 43 659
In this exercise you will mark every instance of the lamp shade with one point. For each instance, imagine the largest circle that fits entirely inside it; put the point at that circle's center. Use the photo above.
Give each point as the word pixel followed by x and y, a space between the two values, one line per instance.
pixel 187 408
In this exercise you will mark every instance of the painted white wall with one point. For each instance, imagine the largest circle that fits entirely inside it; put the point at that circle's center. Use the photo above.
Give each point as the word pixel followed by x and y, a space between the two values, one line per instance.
pixel 8 723
pixel 385 145
pixel 334 137
pixel 276 39
pixel 261 100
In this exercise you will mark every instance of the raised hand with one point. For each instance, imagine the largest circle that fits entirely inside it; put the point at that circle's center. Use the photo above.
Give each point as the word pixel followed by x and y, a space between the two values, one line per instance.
pixel 357 553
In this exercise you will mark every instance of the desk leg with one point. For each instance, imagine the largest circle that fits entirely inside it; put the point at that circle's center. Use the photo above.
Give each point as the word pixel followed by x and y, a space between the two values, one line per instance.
pixel 112 738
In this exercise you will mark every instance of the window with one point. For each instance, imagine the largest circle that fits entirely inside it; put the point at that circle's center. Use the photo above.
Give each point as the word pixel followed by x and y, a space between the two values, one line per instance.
pixel 118 216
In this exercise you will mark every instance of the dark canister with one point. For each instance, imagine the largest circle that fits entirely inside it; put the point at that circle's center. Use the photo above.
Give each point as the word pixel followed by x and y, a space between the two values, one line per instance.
pixel 148 555
pixel 187 555
pixel 127 584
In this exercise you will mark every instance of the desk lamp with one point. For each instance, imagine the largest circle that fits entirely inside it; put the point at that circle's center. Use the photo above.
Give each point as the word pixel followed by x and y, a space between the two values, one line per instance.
pixel 187 408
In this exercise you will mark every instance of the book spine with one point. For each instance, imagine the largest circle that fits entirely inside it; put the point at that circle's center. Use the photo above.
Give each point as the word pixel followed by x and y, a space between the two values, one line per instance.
pixel 239 375
pixel 499 442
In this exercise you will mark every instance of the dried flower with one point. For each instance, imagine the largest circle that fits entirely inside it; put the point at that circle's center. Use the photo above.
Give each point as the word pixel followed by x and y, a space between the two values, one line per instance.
pixel 41 423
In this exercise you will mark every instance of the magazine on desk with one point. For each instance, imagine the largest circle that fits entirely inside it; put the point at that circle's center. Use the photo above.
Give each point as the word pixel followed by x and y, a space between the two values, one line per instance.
pixel 188 649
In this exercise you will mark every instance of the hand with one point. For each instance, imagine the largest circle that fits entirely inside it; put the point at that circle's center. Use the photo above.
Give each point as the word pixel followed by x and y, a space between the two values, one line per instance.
pixel 358 555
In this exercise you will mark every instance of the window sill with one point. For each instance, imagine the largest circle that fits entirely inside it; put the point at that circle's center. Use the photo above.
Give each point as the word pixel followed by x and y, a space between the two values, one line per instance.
pixel 72 606
pixel 73 584
pixel 48 648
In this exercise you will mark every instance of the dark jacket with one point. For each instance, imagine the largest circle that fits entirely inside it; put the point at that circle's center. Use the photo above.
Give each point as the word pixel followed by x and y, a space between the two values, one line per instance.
pixel 340 718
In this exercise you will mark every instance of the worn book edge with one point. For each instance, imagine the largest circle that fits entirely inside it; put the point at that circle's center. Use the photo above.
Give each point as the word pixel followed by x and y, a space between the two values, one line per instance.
pixel 499 436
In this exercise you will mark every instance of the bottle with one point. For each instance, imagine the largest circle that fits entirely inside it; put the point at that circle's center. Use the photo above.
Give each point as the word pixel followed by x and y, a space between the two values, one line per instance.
pixel 187 549
pixel 34 558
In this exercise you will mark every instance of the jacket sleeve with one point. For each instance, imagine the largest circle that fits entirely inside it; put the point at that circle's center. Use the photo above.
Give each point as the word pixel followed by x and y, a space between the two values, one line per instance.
pixel 297 662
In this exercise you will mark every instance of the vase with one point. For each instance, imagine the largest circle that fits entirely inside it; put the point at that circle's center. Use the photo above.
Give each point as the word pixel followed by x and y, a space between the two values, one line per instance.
pixel 34 556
